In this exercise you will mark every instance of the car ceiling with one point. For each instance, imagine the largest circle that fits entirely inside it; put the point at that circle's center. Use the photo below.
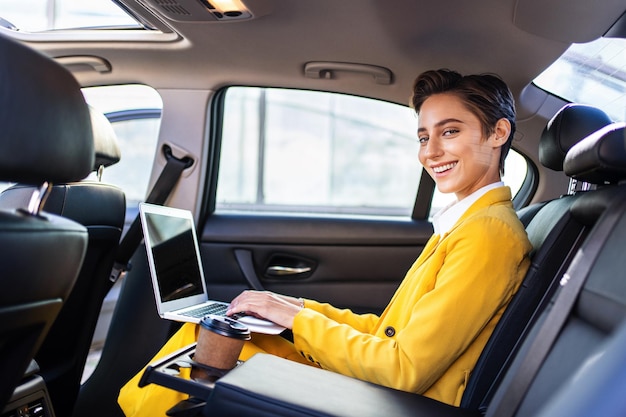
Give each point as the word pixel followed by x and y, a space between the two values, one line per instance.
pixel 514 38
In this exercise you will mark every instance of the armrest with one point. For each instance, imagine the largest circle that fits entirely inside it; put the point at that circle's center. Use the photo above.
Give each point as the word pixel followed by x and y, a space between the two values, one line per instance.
pixel 267 385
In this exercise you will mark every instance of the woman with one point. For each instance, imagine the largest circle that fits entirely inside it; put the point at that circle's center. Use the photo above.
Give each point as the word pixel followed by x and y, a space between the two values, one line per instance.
pixel 430 335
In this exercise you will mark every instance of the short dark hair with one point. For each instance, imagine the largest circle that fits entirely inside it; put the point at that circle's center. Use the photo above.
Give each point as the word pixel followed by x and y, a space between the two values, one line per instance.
pixel 486 95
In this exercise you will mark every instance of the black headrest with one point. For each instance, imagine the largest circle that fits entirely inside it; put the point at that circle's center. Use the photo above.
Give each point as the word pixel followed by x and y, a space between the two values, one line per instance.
pixel 107 149
pixel 599 158
pixel 568 126
pixel 45 129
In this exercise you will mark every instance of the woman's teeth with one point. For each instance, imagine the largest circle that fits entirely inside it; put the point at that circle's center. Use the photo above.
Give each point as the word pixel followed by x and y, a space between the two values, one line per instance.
pixel 443 168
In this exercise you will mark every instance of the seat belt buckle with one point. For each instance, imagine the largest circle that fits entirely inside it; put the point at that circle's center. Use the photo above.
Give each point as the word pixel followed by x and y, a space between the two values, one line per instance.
pixel 119 271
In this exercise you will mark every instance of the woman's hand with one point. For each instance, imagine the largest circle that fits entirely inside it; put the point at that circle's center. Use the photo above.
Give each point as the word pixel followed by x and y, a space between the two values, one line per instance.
pixel 280 309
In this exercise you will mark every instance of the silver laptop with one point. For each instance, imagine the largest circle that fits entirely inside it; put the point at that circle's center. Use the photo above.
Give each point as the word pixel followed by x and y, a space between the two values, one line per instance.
pixel 176 269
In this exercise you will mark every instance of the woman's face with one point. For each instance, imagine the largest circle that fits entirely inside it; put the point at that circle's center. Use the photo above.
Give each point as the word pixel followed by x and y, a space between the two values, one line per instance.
pixel 453 149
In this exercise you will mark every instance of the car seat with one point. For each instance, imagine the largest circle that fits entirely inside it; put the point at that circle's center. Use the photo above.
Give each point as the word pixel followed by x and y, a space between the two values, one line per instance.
pixel 45 138
pixel 101 209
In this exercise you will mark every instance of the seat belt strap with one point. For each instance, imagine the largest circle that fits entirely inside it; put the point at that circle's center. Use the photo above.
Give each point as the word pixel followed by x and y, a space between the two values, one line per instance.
pixel 162 188
pixel 506 402
pixel 421 208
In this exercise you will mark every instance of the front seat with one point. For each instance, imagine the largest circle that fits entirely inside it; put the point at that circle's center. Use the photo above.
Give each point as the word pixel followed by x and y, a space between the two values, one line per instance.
pixel 45 138
pixel 101 209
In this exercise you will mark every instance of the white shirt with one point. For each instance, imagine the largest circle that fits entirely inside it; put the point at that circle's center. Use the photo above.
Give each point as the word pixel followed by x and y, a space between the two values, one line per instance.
pixel 450 214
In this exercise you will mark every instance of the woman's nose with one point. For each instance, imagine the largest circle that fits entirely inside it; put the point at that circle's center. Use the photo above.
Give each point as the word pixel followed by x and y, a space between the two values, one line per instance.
pixel 432 148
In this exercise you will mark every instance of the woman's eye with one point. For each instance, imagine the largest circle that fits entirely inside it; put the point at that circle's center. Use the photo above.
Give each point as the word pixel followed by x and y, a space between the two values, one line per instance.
pixel 449 132
pixel 422 139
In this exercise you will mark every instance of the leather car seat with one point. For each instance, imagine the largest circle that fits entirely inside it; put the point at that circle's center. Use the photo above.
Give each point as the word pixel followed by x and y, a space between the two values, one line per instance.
pixel 45 138
pixel 101 209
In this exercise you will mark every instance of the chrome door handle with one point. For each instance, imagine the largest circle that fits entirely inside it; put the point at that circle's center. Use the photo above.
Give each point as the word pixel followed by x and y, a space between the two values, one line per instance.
pixel 280 271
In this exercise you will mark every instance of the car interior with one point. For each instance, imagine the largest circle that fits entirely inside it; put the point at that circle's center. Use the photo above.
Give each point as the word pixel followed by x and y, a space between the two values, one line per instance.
pixel 285 128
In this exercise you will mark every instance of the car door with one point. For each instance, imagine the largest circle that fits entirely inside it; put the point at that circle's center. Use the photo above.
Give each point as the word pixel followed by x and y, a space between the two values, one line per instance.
pixel 315 195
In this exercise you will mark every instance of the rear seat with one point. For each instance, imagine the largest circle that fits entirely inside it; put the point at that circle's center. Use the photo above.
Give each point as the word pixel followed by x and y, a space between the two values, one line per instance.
pixel 601 306
pixel 555 235
pixel 567 127
pixel 269 386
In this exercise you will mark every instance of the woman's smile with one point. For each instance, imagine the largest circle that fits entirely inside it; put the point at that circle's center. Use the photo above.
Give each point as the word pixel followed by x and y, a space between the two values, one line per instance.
pixel 453 146
pixel 440 169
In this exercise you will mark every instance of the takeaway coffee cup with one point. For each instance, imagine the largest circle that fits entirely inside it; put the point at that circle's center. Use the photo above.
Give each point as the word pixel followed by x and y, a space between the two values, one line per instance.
pixel 220 341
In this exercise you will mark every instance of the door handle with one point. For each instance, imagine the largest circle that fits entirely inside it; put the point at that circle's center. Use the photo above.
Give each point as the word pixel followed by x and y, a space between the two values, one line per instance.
pixel 281 271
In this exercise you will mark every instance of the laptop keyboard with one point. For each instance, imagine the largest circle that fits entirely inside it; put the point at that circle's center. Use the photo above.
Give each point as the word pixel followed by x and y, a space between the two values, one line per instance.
pixel 215 308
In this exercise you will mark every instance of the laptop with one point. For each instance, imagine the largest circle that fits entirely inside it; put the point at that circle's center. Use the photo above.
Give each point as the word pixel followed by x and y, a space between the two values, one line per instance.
pixel 176 269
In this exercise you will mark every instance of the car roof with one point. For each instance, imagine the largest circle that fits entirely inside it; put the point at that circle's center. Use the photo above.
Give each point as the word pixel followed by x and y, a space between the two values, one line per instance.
pixel 516 39
pixel 340 46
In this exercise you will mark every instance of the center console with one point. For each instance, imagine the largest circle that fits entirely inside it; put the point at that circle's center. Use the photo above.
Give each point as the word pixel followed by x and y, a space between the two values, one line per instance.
pixel 269 386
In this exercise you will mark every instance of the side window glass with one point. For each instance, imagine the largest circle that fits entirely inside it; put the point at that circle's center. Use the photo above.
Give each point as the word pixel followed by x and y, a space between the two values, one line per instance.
pixel 135 113
pixel 305 151
pixel 315 152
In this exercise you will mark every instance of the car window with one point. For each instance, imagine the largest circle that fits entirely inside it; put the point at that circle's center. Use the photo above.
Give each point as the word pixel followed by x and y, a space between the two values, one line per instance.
pixel 297 151
pixel 592 73
pixel 37 15
pixel 135 113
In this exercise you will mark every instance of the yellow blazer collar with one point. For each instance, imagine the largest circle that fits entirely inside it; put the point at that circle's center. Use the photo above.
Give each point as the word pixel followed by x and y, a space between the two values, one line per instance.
pixel 491 197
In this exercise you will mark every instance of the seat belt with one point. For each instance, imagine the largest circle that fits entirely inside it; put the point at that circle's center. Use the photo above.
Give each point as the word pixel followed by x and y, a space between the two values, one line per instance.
pixel 421 208
pixel 506 402
pixel 162 188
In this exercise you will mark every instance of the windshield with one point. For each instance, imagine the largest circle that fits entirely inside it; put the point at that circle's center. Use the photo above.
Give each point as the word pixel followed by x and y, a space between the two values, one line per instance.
pixel 591 73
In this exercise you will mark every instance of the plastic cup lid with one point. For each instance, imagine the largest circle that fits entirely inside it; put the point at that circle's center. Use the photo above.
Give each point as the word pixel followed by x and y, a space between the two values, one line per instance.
pixel 226 326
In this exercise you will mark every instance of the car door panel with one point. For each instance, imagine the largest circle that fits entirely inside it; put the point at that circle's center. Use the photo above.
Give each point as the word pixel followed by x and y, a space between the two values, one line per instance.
pixel 353 263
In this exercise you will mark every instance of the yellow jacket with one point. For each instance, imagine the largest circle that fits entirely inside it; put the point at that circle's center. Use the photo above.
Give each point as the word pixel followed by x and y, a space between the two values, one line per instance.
pixel 429 337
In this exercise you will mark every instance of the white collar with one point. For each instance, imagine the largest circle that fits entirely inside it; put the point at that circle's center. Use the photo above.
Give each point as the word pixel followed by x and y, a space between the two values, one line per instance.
pixel 450 214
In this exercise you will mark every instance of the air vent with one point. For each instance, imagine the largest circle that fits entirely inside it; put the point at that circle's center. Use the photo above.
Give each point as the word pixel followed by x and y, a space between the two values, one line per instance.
pixel 172 7
pixel 198 10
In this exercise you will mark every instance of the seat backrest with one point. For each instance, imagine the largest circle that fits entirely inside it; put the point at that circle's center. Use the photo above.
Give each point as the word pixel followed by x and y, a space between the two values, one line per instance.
pixel 45 137
pixel 601 306
pixel 101 209
pixel 554 235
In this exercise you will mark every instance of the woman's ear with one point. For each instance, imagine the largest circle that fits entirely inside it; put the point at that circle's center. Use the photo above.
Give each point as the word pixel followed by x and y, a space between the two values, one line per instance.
pixel 501 132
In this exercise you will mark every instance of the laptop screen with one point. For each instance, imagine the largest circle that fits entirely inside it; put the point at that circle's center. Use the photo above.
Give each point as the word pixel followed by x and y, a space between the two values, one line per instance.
pixel 172 243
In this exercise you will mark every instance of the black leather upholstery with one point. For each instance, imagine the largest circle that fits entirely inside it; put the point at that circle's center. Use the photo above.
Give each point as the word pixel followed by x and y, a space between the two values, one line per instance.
pixel 101 209
pixel 45 135
pixel 565 129
pixel 45 123
pixel 600 309
pixel 600 157
pixel 107 149
pixel 596 390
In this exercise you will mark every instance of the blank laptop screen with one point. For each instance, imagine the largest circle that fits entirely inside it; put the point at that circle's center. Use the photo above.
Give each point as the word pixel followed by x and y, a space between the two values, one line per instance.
pixel 172 243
